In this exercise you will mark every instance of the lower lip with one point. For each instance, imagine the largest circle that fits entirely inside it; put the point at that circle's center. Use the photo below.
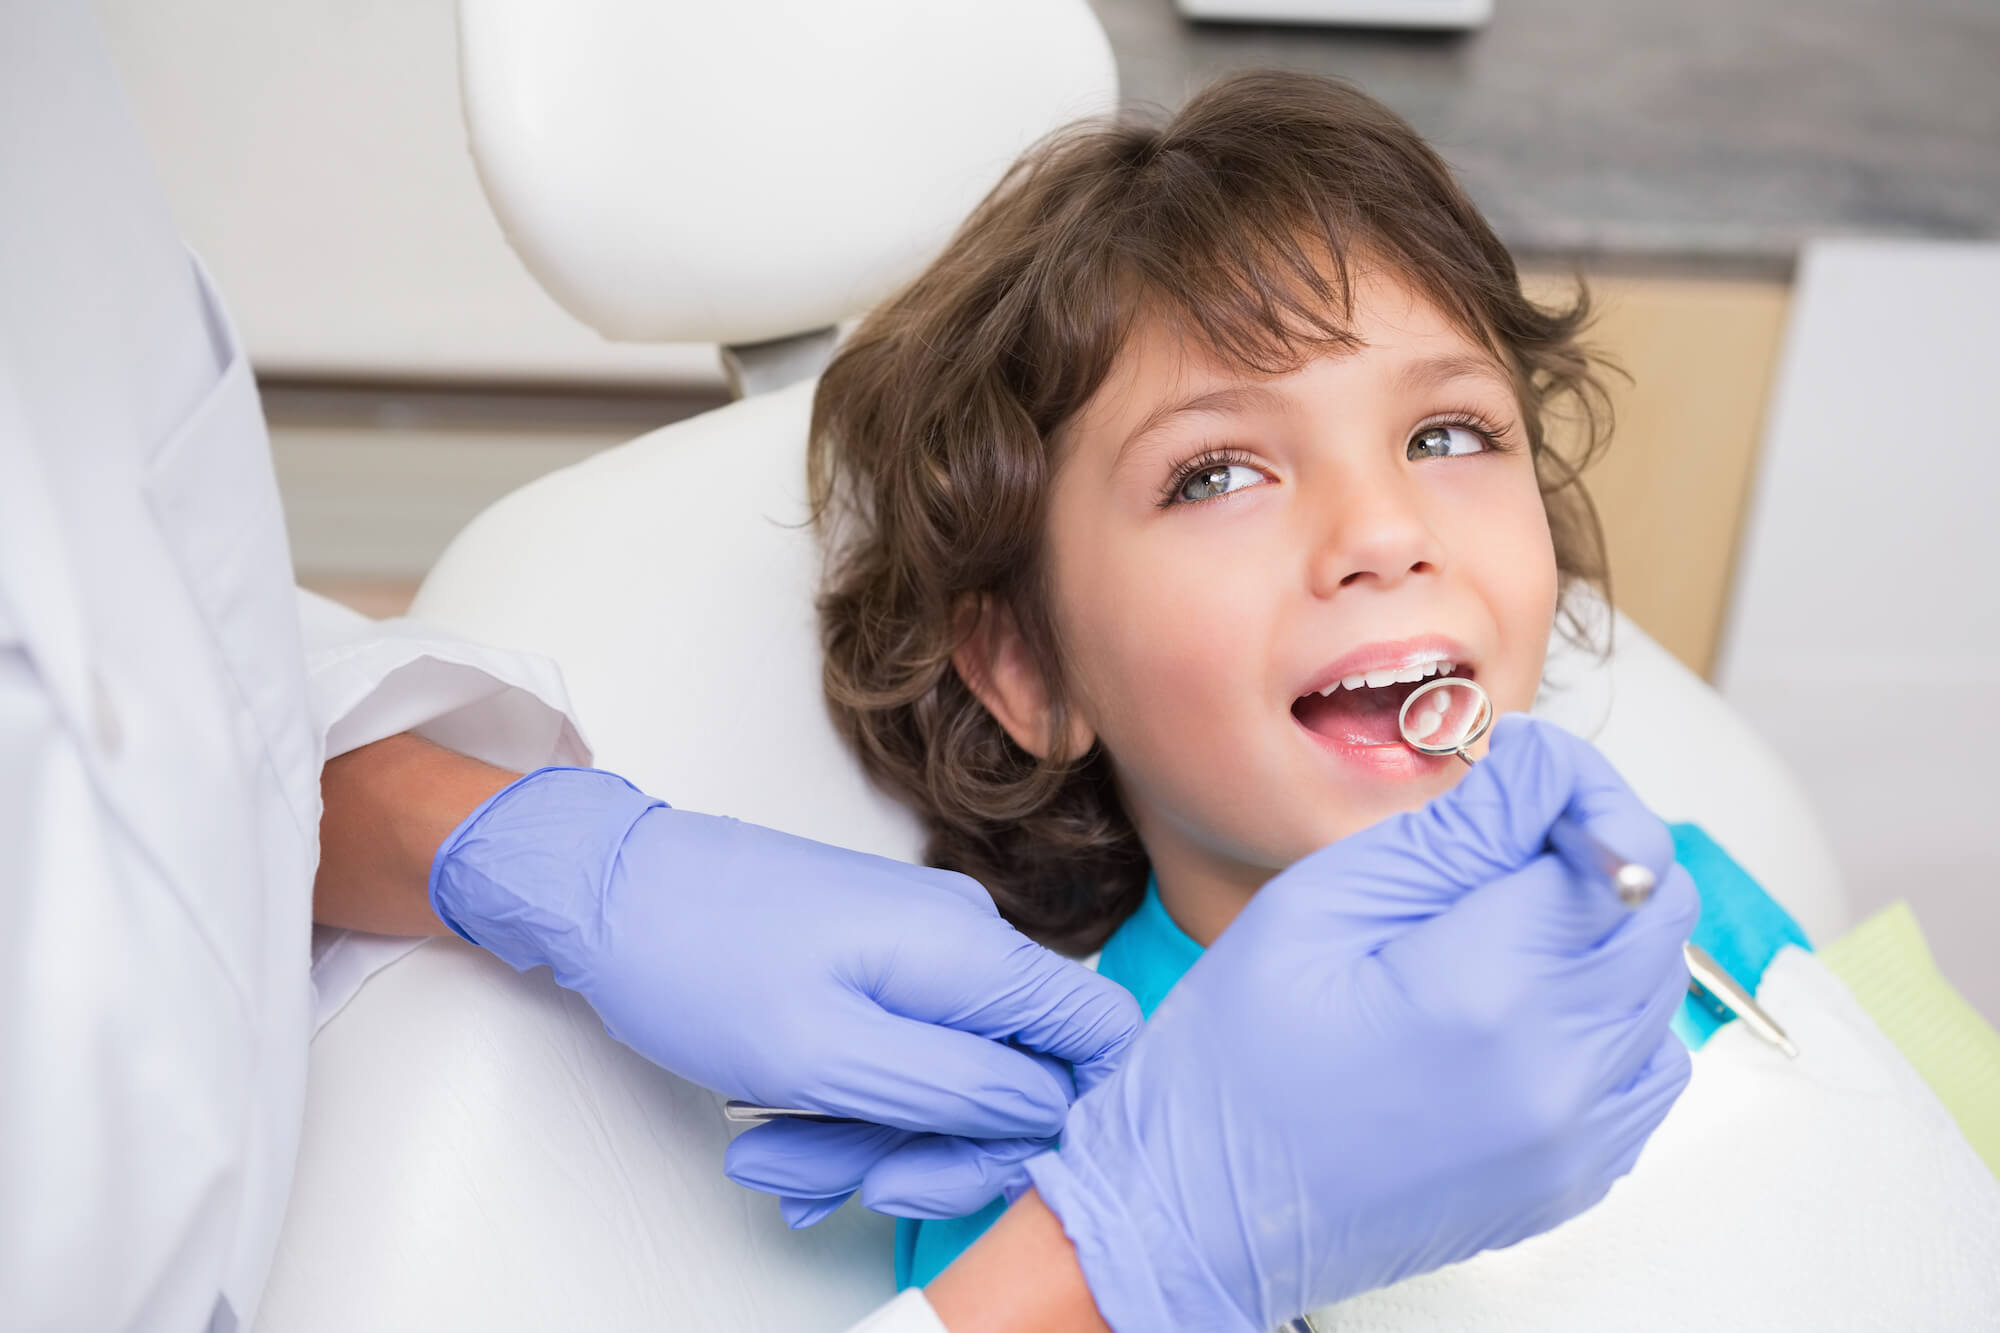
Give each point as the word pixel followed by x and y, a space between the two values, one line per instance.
pixel 1392 762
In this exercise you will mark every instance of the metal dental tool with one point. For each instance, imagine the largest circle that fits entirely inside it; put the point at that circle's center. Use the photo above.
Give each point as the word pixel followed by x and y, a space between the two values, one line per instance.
pixel 1709 976
pixel 749 1113
pixel 1457 714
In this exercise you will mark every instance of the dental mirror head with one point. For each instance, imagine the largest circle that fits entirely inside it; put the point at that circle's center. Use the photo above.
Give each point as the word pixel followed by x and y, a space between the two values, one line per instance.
pixel 1449 715
pixel 1445 716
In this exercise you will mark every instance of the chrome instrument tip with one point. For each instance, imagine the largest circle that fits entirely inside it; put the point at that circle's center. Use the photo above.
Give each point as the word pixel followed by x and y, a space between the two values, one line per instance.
pixel 1635 884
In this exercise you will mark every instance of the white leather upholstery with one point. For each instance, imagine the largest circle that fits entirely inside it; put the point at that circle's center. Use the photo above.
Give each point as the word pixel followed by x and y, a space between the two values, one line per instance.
pixel 716 170
pixel 673 580
pixel 479 1154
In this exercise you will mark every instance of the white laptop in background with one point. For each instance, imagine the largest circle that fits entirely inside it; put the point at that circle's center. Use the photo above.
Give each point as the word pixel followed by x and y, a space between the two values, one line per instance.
pixel 1360 13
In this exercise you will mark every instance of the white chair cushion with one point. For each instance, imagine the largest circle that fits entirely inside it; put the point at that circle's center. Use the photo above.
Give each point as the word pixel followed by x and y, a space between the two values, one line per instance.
pixel 672 579
pixel 750 169
pixel 1694 759
pixel 478 1153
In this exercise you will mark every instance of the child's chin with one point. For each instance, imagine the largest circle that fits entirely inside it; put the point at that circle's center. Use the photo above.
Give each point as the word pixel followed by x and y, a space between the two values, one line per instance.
pixel 1355 816
pixel 1382 800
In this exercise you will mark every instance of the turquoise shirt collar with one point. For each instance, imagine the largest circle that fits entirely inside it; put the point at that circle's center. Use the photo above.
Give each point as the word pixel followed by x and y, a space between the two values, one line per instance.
pixel 1741 926
pixel 1149 953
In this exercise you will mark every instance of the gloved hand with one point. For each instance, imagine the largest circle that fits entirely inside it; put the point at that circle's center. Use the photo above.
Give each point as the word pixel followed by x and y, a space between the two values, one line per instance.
pixel 1426 1040
pixel 784 971
pixel 814 1167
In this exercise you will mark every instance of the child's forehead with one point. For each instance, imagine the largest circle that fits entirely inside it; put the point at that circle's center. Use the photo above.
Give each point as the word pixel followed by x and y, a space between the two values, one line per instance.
pixel 1388 325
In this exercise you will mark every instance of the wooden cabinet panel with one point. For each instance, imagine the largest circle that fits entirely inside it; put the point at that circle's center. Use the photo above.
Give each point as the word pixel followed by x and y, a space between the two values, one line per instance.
pixel 1700 355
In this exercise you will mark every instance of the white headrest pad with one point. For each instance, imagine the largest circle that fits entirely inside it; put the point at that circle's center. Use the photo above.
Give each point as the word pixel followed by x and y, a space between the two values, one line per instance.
pixel 740 170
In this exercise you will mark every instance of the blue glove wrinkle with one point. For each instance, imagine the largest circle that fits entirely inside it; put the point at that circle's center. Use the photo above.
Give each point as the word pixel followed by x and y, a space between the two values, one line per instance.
pixel 475 866
pixel 806 1159
pixel 931 1177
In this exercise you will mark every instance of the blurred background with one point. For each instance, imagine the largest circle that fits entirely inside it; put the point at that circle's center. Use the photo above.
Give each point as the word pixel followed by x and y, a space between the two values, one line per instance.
pixel 1788 215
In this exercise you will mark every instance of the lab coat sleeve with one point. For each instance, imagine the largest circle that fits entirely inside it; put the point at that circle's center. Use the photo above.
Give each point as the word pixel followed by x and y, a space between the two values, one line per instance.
pixel 368 679
pixel 374 678
pixel 908 1313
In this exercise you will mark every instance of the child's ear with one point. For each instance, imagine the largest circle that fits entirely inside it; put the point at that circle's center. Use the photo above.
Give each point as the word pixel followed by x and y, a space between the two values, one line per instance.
pixel 996 664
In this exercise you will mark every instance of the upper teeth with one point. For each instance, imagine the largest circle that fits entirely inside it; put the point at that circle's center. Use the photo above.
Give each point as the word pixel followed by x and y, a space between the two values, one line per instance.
pixel 1394 675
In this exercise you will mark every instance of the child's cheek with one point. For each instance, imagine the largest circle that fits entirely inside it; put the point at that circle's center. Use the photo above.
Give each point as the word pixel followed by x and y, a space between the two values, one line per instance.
pixel 1160 656
pixel 1520 585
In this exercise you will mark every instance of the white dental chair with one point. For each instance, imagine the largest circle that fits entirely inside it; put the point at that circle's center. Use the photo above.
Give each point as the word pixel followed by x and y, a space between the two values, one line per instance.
pixel 477 1153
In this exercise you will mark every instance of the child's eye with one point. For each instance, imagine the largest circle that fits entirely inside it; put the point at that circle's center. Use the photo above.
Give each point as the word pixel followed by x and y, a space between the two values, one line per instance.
pixel 1447 441
pixel 1209 480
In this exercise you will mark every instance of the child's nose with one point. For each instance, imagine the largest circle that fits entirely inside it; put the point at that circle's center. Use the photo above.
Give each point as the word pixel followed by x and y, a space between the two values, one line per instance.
pixel 1370 530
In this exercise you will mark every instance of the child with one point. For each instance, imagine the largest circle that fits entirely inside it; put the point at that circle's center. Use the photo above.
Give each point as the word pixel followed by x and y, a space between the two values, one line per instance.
pixel 1153 498
pixel 1185 427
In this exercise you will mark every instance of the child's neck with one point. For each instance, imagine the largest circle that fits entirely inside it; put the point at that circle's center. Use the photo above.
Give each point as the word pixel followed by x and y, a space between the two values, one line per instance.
pixel 1204 894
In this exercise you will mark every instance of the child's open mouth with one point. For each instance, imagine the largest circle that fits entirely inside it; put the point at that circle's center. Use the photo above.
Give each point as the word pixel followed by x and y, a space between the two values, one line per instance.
pixel 1363 709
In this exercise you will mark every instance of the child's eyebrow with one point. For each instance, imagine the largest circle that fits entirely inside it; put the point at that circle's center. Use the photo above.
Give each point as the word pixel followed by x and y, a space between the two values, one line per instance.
pixel 1213 402
pixel 1433 371
pixel 1429 373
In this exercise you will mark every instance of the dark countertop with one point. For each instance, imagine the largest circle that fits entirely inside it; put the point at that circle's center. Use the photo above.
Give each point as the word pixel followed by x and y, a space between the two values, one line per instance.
pixel 1723 132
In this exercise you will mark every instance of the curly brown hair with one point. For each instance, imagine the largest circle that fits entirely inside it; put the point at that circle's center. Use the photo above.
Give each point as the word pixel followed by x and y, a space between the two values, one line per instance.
pixel 933 431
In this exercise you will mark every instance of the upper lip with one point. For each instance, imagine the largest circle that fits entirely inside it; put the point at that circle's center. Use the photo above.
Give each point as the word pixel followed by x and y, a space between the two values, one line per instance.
pixel 1387 655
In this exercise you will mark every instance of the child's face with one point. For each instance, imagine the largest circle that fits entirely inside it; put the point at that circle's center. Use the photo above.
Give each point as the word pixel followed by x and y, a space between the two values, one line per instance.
pixel 1213 568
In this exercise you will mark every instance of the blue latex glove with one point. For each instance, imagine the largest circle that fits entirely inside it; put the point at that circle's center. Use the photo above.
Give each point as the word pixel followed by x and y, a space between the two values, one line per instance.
pixel 813 1168
pixel 1426 1040
pixel 784 971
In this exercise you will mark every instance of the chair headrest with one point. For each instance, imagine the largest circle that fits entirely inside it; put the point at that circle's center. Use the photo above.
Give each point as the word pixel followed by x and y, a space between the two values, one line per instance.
pixel 742 170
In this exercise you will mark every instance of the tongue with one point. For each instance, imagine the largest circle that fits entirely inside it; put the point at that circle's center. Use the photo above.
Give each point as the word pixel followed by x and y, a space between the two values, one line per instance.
pixel 1355 717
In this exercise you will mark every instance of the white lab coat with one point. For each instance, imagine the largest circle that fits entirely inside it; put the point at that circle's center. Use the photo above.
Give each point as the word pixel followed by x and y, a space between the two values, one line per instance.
pixel 166 701
pixel 161 735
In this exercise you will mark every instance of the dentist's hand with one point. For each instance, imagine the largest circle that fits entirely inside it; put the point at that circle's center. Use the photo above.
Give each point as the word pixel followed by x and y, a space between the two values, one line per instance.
pixel 1427 1040
pixel 785 971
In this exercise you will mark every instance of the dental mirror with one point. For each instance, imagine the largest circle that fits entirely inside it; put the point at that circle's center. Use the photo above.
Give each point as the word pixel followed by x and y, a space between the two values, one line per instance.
pixel 1450 715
